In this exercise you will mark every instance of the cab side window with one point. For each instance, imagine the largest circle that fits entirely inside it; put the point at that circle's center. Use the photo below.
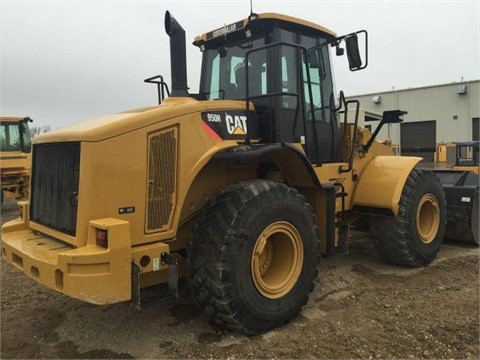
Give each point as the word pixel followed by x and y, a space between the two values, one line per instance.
pixel 318 103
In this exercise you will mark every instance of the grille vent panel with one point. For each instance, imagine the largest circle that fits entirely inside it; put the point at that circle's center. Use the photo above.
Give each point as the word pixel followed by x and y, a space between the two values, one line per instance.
pixel 162 165
pixel 54 186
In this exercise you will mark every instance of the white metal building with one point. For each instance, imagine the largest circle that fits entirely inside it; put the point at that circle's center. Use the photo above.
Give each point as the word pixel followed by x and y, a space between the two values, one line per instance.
pixel 437 114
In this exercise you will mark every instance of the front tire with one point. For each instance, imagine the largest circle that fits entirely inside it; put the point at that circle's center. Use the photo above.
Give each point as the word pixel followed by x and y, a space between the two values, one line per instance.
pixel 414 236
pixel 253 256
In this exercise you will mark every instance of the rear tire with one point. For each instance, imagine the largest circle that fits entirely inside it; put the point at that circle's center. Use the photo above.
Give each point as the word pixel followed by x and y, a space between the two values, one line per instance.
pixel 253 256
pixel 414 236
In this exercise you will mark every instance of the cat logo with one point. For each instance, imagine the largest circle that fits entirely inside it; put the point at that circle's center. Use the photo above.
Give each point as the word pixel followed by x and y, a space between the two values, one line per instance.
pixel 236 125
pixel 230 124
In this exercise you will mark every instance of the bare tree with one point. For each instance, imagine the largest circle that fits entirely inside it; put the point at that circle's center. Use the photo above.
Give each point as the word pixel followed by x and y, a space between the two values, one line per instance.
pixel 37 130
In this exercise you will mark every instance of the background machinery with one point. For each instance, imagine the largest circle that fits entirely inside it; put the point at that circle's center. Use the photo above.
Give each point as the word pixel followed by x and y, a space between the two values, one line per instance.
pixel 240 187
pixel 461 186
pixel 15 156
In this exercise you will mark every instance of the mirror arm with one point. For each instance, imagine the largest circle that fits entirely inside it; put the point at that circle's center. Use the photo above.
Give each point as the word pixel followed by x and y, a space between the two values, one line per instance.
pixel 389 117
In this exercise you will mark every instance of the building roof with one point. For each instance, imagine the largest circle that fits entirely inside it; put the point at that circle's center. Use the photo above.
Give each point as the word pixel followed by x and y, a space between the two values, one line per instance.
pixel 416 88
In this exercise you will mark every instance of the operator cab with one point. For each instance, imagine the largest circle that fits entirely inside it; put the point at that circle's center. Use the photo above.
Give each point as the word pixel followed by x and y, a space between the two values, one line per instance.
pixel 281 64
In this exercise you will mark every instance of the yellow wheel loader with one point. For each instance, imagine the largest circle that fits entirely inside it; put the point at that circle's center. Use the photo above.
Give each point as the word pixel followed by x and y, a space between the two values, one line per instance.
pixel 240 187
pixel 15 156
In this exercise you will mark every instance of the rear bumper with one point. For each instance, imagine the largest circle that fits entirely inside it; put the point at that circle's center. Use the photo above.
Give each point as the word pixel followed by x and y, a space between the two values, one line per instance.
pixel 90 273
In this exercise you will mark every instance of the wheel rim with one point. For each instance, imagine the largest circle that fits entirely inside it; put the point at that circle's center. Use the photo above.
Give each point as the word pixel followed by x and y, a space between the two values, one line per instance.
pixel 428 218
pixel 277 260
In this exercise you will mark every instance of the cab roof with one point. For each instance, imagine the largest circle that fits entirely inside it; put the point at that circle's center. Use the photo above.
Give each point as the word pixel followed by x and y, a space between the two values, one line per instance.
pixel 264 17
pixel 13 118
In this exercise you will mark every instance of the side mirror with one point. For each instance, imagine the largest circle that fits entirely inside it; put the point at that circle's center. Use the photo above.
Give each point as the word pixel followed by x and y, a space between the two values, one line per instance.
pixel 354 53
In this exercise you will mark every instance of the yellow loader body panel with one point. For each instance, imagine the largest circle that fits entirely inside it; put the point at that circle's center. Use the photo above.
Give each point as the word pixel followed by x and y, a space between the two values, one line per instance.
pixel 381 183
pixel 117 154
pixel 89 273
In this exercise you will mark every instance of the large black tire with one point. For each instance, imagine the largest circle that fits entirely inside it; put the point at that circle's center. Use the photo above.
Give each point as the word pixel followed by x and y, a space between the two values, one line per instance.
pixel 253 256
pixel 414 236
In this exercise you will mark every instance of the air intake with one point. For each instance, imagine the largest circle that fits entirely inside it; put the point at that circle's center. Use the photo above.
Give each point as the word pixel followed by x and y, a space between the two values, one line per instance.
pixel 162 165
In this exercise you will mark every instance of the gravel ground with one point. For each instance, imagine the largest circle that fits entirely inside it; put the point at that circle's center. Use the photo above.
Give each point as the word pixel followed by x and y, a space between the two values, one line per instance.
pixel 361 308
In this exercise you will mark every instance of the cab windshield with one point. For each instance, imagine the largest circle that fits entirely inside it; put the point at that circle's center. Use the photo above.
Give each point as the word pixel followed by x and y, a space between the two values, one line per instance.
pixel 225 72
pixel 283 69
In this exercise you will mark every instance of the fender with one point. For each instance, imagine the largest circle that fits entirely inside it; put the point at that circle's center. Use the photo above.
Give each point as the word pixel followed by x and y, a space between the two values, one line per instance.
pixel 380 185
pixel 291 162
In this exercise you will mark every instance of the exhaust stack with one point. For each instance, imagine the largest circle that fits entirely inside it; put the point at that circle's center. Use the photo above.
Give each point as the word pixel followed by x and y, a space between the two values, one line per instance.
pixel 178 56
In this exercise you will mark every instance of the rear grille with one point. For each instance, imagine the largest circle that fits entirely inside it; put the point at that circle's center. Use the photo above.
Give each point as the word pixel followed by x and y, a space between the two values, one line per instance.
pixel 54 186
pixel 162 161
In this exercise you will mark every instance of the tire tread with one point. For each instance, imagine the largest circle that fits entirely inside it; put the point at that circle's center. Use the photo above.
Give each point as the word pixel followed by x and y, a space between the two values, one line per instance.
pixel 213 241
pixel 393 238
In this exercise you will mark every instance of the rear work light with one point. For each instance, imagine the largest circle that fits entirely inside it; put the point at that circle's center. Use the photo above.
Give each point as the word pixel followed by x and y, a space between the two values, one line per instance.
pixel 101 237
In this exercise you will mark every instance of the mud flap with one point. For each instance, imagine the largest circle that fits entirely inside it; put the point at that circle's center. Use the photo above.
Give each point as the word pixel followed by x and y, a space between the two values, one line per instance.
pixel 172 273
pixel 140 299
pixel 342 246
pixel 136 297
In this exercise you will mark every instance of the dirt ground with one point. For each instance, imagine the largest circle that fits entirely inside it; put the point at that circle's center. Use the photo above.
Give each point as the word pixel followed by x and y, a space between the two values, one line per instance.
pixel 361 308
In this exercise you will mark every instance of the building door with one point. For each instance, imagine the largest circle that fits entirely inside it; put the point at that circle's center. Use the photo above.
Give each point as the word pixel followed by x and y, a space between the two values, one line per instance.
pixel 475 125
pixel 418 139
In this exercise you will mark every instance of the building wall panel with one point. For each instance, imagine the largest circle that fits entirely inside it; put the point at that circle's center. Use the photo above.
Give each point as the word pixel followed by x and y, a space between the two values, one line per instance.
pixel 452 112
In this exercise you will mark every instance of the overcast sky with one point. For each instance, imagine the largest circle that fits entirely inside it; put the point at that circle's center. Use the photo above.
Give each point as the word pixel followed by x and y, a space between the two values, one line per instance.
pixel 67 61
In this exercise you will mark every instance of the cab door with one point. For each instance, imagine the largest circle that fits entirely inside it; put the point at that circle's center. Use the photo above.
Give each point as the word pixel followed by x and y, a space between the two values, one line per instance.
pixel 304 111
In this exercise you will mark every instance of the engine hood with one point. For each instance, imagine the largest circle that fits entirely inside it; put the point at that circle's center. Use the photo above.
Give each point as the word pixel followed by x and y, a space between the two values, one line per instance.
pixel 109 126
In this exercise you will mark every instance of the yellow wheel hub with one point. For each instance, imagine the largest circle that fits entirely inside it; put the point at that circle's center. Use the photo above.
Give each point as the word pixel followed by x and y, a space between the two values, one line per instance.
pixel 277 260
pixel 428 218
